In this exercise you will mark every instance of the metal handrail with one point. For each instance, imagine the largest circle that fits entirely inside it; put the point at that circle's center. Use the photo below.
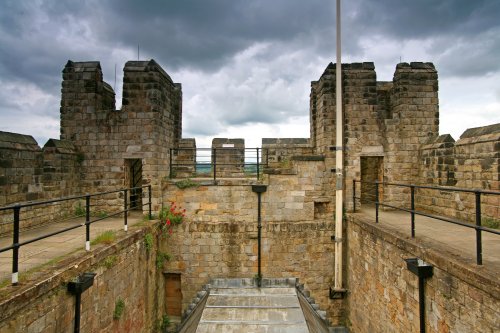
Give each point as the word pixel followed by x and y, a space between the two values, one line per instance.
pixel 16 244
pixel 250 157
pixel 477 226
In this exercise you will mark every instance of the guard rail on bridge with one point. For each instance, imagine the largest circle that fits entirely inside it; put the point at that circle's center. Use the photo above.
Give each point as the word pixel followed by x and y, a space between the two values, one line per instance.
pixel 16 209
pixel 477 226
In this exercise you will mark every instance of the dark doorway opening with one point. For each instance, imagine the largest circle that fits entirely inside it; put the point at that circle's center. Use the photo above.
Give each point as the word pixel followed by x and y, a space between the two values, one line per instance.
pixel 371 170
pixel 135 182
pixel 173 294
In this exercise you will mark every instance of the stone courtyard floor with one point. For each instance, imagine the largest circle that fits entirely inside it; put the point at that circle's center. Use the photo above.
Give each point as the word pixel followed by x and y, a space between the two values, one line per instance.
pixel 47 250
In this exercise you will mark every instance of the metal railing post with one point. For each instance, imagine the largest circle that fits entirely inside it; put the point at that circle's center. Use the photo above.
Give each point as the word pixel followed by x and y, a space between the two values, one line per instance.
pixel 258 171
pixel 214 162
pixel 170 163
pixel 479 245
pixel 354 195
pixel 15 243
pixel 412 188
pixel 87 222
pixel 125 209
pixel 149 202
pixel 376 201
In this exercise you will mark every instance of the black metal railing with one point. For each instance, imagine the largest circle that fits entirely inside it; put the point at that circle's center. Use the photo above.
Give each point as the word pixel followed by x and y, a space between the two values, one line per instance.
pixel 217 162
pixel 16 210
pixel 413 212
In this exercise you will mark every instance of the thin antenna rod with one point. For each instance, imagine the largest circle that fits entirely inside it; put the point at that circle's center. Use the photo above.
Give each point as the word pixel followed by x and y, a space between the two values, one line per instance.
pixel 114 88
pixel 137 52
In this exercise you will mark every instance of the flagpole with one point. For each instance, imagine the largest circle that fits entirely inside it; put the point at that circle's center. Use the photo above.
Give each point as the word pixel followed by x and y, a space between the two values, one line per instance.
pixel 338 161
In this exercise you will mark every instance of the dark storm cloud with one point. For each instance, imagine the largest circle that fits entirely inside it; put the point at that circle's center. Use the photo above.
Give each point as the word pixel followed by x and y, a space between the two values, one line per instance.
pixel 210 38
pixel 424 18
pixel 204 34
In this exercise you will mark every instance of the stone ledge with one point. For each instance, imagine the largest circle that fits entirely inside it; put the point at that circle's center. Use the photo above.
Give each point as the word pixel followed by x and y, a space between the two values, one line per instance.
pixel 483 278
pixel 13 299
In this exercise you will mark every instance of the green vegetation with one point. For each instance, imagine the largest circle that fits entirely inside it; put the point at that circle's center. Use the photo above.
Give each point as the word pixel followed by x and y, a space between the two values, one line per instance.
pixel 101 214
pixel 79 210
pixel 119 308
pixel 186 183
pixel 110 261
pixel 145 217
pixel 148 241
pixel 489 222
pixel 161 257
pixel 107 237
pixel 164 323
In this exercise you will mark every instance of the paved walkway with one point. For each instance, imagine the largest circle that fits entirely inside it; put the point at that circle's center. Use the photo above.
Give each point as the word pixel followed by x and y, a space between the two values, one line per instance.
pixel 43 251
pixel 455 238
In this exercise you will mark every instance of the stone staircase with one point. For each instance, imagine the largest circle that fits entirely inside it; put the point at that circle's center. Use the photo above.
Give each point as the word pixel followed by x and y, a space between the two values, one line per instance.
pixel 237 305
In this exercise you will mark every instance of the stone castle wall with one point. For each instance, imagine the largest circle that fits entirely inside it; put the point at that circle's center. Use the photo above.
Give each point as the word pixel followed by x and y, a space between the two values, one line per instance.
pixel 471 163
pixel 125 271
pixel 391 120
pixel 30 173
pixel 383 293
pixel 146 127
pixel 219 237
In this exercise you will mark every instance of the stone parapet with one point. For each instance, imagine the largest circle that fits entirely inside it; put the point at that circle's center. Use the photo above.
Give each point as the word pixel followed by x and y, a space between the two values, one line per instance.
pixel 458 298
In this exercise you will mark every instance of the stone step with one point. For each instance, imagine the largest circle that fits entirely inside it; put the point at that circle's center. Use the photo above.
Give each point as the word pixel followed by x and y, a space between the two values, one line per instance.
pixel 252 301
pixel 251 327
pixel 238 305
pixel 253 314
pixel 253 291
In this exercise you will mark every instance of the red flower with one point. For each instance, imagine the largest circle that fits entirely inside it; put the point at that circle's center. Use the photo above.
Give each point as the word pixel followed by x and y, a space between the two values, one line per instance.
pixel 168 222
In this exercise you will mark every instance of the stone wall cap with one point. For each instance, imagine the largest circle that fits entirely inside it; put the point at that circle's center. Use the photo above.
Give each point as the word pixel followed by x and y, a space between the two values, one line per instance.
pixel 308 158
pixel 227 140
pixel 479 131
pixel 18 141
pixel 108 87
pixel 416 65
pixel 145 66
pixel 277 141
pixel 61 146
pixel 86 66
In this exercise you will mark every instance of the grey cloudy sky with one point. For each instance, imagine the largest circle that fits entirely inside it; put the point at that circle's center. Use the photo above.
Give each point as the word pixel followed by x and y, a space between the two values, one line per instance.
pixel 246 65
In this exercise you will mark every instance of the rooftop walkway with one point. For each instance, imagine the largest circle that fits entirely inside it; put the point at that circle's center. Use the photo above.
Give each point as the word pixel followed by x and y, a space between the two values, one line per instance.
pixel 455 239
pixel 44 251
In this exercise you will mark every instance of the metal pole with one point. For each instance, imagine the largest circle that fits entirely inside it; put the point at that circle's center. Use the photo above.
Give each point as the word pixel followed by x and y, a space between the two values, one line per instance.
pixel 421 303
pixel 78 298
pixel 479 245
pixel 170 163
pixel 354 195
pixel 87 222
pixel 259 235
pixel 214 161
pixel 15 250
pixel 376 201
pixel 338 161
pixel 412 211
pixel 257 163
pixel 149 203
pixel 125 210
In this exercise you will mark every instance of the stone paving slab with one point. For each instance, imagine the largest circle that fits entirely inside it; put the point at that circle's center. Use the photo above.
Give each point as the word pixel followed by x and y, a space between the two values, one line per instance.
pixel 456 239
pixel 45 250
pixel 243 307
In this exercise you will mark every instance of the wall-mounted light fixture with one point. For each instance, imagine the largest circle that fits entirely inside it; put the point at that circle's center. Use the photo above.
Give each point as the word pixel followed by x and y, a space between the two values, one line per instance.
pixel 77 287
pixel 423 270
